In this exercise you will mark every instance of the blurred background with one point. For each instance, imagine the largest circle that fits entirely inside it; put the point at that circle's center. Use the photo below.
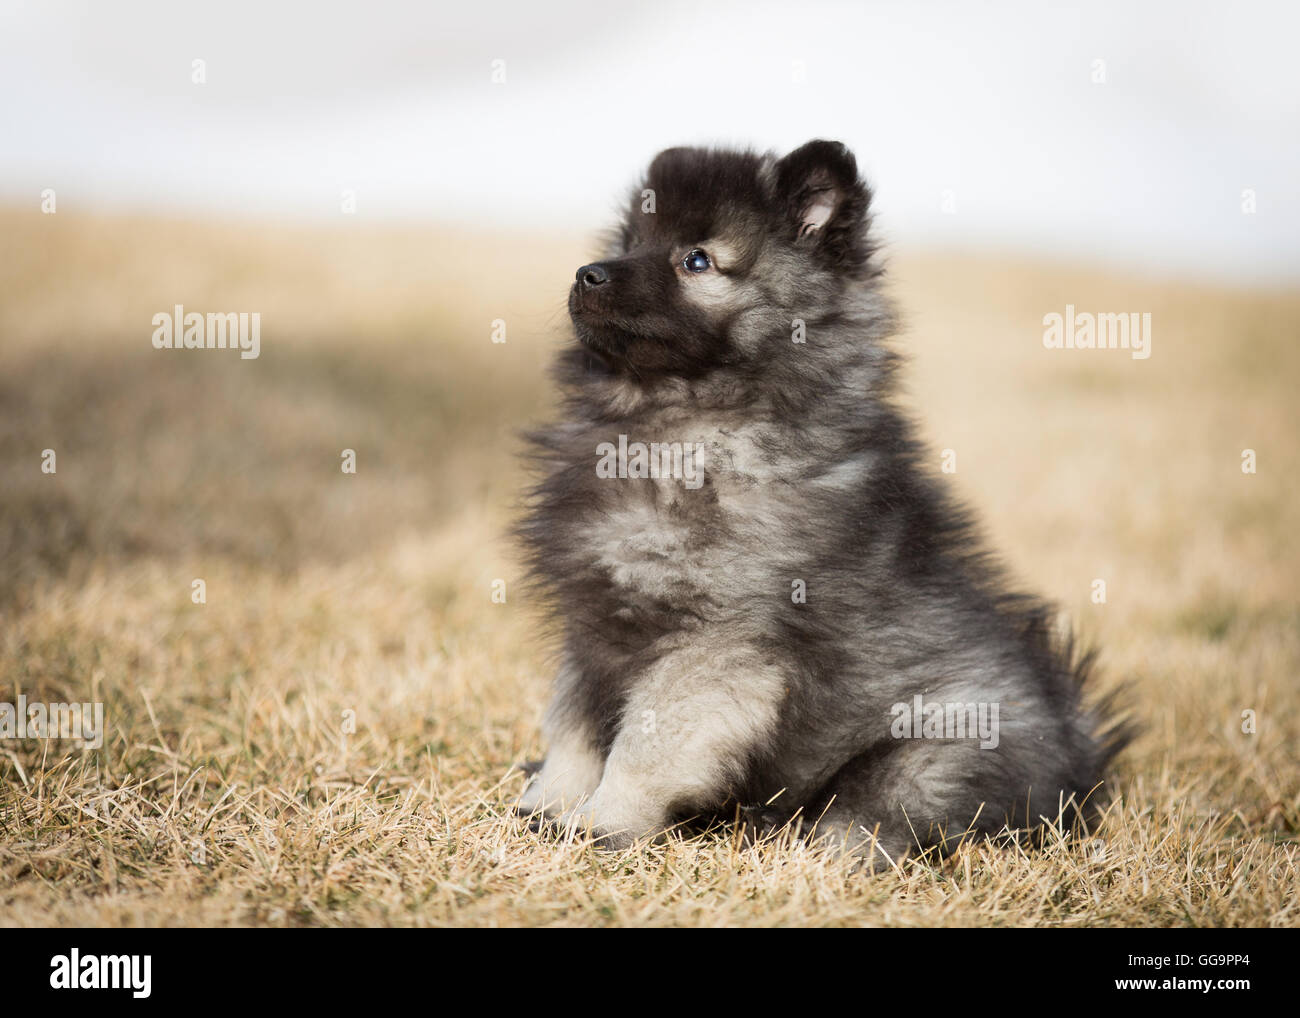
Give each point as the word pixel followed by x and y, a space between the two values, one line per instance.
pixel 384 181
pixel 1109 130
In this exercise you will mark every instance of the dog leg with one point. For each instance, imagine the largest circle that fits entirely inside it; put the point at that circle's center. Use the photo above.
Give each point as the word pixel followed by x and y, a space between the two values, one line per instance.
pixel 687 731
pixel 573 765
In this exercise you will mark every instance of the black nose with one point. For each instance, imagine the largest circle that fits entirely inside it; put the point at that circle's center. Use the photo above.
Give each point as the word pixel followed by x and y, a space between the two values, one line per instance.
pixel 592 275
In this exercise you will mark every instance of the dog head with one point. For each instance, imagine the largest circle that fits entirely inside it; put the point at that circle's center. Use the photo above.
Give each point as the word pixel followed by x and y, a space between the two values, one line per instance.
pixel 720 251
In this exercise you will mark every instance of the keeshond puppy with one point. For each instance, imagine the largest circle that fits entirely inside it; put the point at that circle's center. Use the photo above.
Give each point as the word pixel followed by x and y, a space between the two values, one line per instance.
pixel 768 608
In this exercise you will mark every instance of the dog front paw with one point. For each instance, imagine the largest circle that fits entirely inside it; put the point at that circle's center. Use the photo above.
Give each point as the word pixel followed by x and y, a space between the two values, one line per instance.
pixel 605 831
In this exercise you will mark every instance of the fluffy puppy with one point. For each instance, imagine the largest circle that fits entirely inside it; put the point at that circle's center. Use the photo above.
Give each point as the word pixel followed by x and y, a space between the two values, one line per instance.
pixel 765 603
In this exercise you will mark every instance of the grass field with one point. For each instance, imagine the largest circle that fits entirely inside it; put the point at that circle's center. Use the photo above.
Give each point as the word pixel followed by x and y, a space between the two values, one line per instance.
pixel 329 739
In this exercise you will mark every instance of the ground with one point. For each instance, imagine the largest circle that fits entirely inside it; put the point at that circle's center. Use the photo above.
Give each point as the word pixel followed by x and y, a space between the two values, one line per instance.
pixel 331 737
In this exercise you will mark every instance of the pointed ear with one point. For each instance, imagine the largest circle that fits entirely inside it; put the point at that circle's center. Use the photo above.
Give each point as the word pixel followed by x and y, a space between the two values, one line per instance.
pixel 824 202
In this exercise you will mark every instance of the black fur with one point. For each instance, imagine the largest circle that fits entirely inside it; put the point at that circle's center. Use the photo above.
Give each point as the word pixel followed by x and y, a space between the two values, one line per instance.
pixel 680 598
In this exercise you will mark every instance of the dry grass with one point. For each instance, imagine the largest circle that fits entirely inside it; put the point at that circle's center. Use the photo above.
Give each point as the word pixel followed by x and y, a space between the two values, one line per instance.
pixel 227 791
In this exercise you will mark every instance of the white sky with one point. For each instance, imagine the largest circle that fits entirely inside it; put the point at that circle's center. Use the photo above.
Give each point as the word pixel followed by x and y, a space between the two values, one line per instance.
pixel 994 102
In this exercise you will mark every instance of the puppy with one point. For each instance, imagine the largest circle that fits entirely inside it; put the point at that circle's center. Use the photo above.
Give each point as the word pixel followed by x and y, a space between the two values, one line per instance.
pixel 765 605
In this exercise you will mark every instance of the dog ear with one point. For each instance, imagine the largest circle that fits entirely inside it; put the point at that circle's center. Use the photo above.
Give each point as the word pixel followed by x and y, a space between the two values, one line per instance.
pixel 824 202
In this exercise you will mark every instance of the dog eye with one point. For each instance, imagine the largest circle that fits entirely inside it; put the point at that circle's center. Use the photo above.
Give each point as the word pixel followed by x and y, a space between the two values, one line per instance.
pixel 696 261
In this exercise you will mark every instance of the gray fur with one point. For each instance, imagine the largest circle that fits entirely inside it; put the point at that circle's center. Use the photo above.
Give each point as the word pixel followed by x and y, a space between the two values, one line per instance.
pixel 693 683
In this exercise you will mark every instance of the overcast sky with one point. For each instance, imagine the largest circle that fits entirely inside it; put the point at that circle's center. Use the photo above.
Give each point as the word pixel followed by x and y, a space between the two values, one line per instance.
pixel 988 110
